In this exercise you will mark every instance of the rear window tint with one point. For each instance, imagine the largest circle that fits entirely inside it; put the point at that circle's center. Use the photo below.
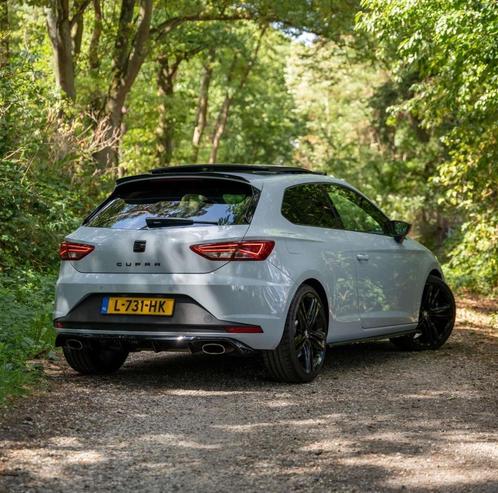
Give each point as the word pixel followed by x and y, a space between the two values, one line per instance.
pixel 222 202
pixel 309 205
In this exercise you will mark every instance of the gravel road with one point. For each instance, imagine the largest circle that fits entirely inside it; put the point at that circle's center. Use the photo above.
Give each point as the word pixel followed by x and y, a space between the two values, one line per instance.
pixel 376 419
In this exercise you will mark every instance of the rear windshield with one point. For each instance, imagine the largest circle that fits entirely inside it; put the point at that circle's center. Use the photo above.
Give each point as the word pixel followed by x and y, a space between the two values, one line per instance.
pixel 204 201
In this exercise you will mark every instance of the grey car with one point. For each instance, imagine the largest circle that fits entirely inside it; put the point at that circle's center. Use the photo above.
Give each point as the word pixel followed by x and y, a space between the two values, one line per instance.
pixel 240 258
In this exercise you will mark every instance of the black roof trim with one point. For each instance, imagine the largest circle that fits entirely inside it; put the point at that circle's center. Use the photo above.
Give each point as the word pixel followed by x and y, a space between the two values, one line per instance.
pixel 233 168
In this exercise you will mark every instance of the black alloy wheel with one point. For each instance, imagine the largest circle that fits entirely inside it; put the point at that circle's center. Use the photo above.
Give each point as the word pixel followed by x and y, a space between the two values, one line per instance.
pixel 301 352
pixel 436 319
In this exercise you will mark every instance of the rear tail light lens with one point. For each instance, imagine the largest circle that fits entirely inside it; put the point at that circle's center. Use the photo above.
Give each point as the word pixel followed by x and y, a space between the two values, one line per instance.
pixel 235 250
pixel 74 251
pixel 244 329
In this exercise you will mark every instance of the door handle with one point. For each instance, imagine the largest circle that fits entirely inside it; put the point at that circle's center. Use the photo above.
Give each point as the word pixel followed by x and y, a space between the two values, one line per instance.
pixel 362 257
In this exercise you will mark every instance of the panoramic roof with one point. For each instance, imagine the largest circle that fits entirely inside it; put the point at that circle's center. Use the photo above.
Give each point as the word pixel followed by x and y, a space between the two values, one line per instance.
pixel 258 169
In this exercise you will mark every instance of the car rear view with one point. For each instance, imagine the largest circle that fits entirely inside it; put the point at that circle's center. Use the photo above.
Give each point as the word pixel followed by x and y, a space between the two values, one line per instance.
pixel 168 262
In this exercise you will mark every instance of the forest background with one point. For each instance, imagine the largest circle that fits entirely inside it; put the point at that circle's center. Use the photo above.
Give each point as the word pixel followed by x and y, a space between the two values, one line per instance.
pixel 399 97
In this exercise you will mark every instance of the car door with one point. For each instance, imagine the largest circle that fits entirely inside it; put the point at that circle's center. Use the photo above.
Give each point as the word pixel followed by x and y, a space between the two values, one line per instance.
pixel 386 270
pixel 318 237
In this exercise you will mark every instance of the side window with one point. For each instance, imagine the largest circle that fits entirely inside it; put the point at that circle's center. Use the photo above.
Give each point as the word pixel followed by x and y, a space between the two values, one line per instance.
pixel 309 205
pixel 357 213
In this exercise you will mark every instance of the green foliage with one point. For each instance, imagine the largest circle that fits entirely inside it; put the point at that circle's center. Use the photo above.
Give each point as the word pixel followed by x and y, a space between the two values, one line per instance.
pixel 25 327
pixel 448 50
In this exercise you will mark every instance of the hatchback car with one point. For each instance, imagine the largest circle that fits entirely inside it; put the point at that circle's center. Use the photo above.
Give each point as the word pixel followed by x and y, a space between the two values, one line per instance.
pixel 233 258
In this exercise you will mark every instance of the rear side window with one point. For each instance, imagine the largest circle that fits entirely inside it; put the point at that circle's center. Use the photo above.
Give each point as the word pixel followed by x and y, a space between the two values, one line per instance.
pixel 203 201
pixel 309 205
pixel 357 213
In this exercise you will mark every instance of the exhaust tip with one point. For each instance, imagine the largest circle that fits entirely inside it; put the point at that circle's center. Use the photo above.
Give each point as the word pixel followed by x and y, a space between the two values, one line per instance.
pixel 213 348
pixel 74 344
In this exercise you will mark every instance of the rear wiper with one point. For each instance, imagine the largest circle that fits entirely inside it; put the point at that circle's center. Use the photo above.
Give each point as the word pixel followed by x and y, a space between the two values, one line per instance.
pixel 162 222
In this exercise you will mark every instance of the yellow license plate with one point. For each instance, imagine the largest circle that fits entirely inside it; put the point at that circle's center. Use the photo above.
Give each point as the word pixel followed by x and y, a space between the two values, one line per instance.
pixel 120 305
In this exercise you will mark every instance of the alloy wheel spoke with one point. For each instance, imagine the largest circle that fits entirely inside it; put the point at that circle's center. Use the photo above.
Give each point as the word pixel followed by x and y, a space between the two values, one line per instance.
pixel 434 333
pixel 299 341
pixel 302 318
pixel 427 296
pixel 317 334
pixel 307 354
pixel 319 343
pixel 312 314
pixel 440 311
pixel 434 297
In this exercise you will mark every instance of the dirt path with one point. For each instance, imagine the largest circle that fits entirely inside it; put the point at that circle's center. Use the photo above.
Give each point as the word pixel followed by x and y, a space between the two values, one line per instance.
pixel 376 420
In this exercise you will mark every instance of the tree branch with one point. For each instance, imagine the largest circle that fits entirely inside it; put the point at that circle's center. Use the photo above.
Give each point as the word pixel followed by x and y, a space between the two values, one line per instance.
pixel 164 28
pixel 139 49
pixel 81 9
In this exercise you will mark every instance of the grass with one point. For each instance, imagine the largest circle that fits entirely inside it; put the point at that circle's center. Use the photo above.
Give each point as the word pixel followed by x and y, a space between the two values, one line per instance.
pixel 25 329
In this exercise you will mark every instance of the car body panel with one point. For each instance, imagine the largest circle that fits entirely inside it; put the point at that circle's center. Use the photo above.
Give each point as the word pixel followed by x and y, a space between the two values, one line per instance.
pixel 388 279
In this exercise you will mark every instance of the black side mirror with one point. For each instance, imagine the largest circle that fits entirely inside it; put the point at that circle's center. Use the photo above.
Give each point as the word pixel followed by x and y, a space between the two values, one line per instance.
pixel 399 230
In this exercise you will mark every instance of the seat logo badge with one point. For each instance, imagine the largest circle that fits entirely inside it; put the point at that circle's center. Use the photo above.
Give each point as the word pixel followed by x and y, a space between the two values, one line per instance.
pixel 139 246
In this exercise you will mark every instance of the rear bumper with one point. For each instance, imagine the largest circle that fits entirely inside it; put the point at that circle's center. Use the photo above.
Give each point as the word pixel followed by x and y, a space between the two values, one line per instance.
pixel 239 293
pixel 138 341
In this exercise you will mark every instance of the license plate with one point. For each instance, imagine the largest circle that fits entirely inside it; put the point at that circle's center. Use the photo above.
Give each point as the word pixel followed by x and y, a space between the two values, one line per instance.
pixel 121 305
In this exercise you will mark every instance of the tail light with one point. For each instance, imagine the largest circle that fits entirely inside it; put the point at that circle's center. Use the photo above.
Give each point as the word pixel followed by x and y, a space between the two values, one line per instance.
pixel 74 251
pixel 235 250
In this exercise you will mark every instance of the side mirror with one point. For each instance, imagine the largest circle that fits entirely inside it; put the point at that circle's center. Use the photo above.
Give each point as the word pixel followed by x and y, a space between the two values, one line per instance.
pixel 400 230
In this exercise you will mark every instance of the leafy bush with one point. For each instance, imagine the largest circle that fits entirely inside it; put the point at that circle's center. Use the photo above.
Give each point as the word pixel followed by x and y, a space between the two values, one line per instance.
pixel 447 55
pixel 25 327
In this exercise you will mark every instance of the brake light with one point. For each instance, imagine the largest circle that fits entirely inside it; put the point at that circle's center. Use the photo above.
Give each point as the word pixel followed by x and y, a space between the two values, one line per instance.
pixel 235 250
pixel 74 251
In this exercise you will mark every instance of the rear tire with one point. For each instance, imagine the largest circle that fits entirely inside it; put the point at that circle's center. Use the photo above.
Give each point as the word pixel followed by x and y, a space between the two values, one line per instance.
pixel 436 319
pixel 301 352
pixel 95 360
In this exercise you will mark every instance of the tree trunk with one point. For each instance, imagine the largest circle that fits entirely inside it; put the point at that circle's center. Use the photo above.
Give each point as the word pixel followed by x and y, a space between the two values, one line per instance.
pixel 165 127
pixel 5 77
pixel 96 97
pixel 93 49
pixel 219 129
pixel 77 36
pixel 129 53
pixel 4 35
pixel 59 31
pixel 202 106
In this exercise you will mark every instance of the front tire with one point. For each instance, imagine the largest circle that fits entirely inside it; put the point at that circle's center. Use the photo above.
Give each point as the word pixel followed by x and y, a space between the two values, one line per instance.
pixel 301 352
pixel 436 319
pixel 95 360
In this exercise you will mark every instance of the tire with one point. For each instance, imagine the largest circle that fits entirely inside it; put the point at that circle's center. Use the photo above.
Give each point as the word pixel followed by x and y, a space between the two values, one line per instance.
pixel 300 354
pixel 95 360
pixel 436 319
